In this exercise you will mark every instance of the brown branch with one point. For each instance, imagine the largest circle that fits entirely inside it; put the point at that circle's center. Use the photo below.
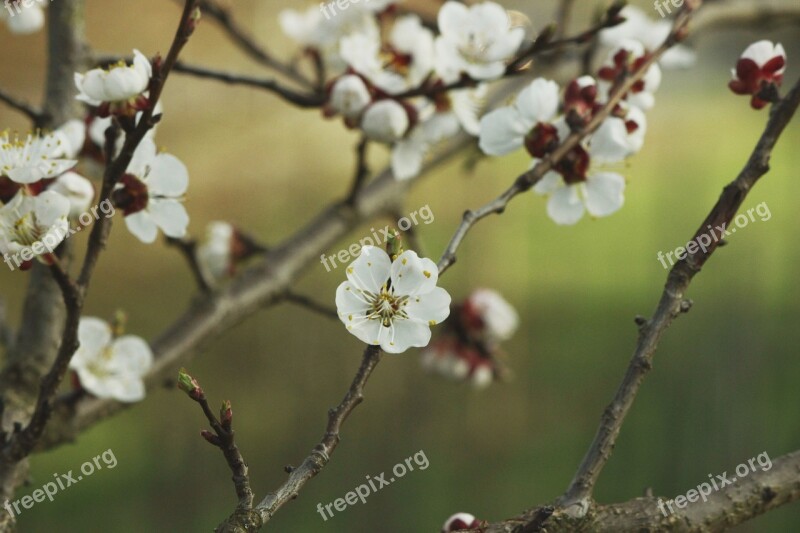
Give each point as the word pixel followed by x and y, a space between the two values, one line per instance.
pixel 320 455
pixel 749 497
pixel 362 170
pixel 22 442
pixel 311 305
pixel 245 42
pixel 35 115
pixel 672 302
pixel 6 333
pixel 300 99
pixel 188 249
pixel 222 438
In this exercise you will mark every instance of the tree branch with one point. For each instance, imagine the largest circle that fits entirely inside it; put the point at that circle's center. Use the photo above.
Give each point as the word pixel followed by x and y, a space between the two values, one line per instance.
pixel 36 116
pixel 311 305
pixel 734 504
pixel 672 302
pixel 320 455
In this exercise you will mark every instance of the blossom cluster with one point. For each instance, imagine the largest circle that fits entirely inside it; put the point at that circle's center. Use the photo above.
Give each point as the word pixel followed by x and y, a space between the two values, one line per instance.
pixel 395 72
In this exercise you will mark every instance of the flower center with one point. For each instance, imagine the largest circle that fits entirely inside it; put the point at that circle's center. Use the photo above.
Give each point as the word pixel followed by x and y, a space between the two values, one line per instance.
pixel 132 197
pixel 385 306
pixel 25 230
pixel 475 47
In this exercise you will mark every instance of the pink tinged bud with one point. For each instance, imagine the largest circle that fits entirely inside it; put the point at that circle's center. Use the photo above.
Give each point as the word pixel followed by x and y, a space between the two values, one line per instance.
pixel 226 414
pixel 189 385
pixel 349 96
pixel 460 521
pixel 385 121
pixel 210 437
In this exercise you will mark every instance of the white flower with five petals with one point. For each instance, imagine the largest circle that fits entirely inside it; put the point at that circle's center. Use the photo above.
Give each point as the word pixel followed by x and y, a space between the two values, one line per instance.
pixel 34 159
pixel 30 225
pixel 392 304
pixel 504 130
pixel 150 194
pixel 108 367
pixel 477 40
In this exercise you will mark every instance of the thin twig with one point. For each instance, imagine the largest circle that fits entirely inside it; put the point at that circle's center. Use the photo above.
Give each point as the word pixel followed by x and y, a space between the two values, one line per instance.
pixel 222 438
pixel 245 42
pixel 362 170
pixel 37 117
pixel 311 305
pixel 321 454
pixel 672 301
pixel 300 99
pixel 188 249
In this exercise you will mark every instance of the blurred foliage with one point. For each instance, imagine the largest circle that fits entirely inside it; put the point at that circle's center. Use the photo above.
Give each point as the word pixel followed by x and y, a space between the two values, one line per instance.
pixel 722 391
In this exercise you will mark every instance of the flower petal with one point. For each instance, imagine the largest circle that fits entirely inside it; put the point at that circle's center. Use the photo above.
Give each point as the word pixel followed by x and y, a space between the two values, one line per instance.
pixel 170 216
pixel 431 308
pixel 168 176
pixel 405 334
pixel 370 270
pixel 565 206
pixel 141 224
pixel 604 193
pixel 412 275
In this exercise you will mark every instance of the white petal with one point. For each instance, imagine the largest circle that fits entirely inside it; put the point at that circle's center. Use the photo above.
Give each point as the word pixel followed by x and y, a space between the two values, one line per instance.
pixel 143 158
pixel 405 334
pixel 604 193
pixel 503 131
pixel 565 206
pixel 412 275
pixel 430 307
pixel 168 176
pixel 142 226
pixel 349 303
pixel 407 158
pixel 131 355
pixel 370 270
pixel 94 336
pixel 538 102
pixel 549 183
pixel 170 216
pixel 451 18
pixel 127 389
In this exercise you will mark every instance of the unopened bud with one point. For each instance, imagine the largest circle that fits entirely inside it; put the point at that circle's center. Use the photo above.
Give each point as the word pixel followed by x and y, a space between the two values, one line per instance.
pixel 226 414
pixel 210 437
pixel 394 245
pixel 189 385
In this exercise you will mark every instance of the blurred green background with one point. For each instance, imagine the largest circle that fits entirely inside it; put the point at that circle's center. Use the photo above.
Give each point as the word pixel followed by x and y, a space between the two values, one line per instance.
pixel 724 386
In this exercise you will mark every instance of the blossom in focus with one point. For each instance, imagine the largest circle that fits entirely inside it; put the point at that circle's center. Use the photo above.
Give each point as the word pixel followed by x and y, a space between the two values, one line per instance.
pixel 460 521
pixel 651 33
pixel 760 66
pixel 117 89
pixel 392 304
pixel 505 130
pixel 23 20
pixel 477 40
pixel 33 226
pixel 110 367
pixel 150 194
pixel 77 189
pixel 33 159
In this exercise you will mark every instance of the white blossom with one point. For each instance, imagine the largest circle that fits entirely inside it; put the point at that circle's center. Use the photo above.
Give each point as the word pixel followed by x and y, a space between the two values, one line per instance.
pixel 77 189
pixel 109 367
pixel 392 304
pixel 33 225
pixel 477 40
pixel 215 253
pixel 491 315
pixel 150 194
pixel 349 96
pixel 34 159
pixel 23 20
pixel 119 83
pixel 385 121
